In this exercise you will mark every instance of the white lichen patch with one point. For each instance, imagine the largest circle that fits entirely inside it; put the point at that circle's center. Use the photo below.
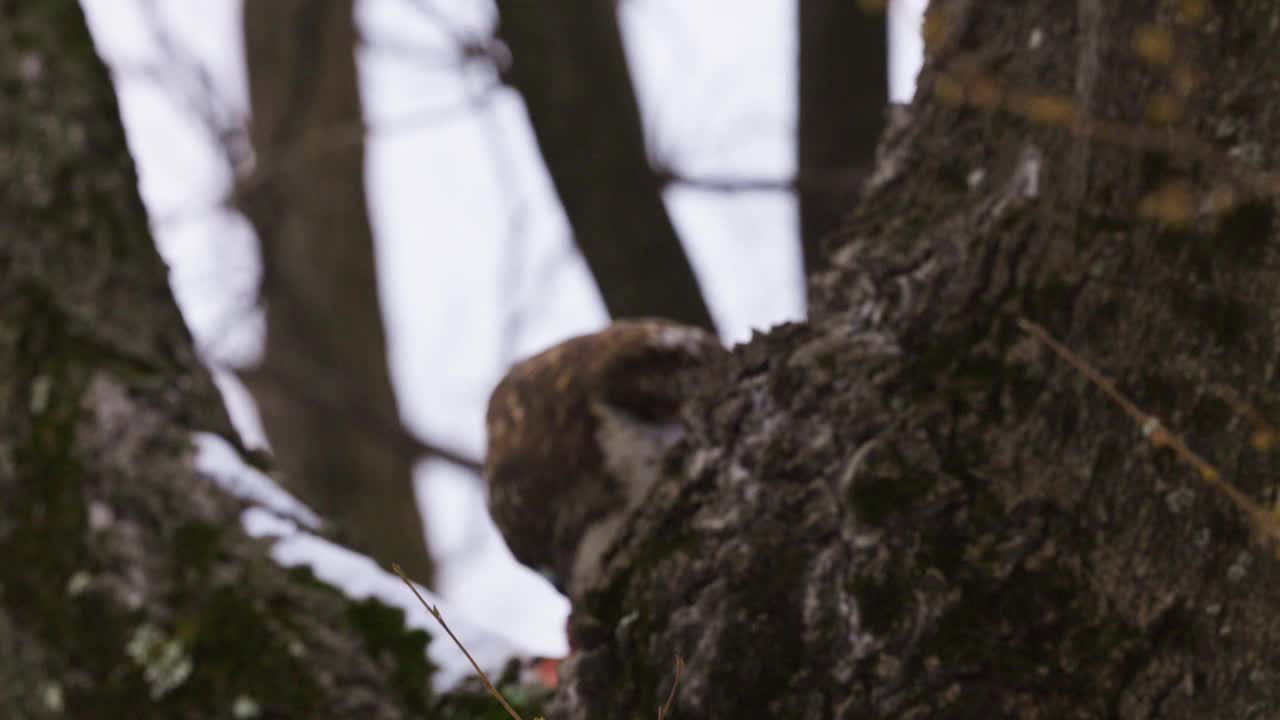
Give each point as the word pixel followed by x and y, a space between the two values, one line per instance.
pixel 39 400
pixel 165 662
pixel 245 708
pixel 1179 500
pixel 1240 567
pixel 1251 154
pixel 1027 177
pixel 101 516
pixel 702 459
pixel 78 583
pixel 52 697
pixel 296 648
pixel 30 67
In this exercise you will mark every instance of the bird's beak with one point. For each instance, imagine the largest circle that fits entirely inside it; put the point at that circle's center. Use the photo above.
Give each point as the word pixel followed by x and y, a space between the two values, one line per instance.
pixel 547 670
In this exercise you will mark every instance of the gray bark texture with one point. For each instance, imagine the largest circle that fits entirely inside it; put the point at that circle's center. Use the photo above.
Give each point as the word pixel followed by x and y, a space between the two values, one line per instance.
pixel 127 589
pixel 323 387
pixel 909 507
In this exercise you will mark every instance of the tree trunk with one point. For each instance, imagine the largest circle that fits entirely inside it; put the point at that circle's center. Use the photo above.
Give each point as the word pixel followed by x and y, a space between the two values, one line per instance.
pixel 568 64
pixel 843 100
pixel 911 506
pixel 127 588
pixel 323 386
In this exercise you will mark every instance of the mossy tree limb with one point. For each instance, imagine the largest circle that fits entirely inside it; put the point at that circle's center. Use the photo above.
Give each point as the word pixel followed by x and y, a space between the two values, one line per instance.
pixel 127 588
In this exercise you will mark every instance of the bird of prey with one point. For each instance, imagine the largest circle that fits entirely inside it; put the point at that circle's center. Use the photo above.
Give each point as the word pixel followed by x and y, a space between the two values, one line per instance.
pixel 577 435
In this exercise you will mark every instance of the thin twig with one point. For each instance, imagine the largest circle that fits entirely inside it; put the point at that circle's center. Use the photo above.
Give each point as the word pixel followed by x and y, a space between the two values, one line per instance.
pixel 338 401
pixel 1157 434
pixel 435 613
pixel 675 683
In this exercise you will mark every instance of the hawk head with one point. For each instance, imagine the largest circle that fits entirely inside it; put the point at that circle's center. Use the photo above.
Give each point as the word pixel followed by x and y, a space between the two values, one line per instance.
pixel 577 435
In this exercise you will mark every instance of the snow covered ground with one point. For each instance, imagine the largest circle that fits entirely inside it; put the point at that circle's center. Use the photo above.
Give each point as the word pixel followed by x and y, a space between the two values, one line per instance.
pixel 476 264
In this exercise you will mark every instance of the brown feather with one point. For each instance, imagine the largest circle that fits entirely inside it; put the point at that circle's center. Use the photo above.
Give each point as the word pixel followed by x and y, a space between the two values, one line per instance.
pixel 549 480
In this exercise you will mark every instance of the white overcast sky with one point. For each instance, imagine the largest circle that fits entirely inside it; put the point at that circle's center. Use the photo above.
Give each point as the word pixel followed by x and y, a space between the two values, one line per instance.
pixel 476 264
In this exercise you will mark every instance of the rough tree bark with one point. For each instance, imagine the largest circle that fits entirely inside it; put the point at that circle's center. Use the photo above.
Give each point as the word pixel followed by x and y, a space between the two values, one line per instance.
pixel 127 589
pixel 910 507
pixel 323 387
pixel 568 64
pixel 843 98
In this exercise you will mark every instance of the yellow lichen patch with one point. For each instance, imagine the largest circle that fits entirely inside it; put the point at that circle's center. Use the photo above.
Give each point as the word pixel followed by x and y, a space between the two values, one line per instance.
pixel 1154 44
pixel 1163 109
pixel 1048 109
pixel 1262 440
pixel 1192 12
pixel 935 27
pixel 948 90
pixel 1170 204
pixel 985 92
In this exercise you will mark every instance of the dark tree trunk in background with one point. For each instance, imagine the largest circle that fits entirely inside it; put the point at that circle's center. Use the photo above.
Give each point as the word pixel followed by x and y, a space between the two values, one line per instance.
pixel 323 387
pixel 910 507
pixel 568 64
pixel 127 589
pixel 843 101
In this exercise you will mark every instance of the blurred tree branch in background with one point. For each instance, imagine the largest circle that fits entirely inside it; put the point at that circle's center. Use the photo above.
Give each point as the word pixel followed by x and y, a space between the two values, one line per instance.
pixel 843 103
pixel 325 335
